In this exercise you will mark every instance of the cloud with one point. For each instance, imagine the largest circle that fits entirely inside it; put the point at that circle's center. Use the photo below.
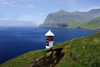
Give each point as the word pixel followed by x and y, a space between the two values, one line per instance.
pixel 72 3
pixel 25 18
pixel 42 13
pixel 18 23
pixel 12 3
pixel 29 5
pixel 39 22
pixel 96 7
pixel 80 5
pixel 88 9
pixel 1 15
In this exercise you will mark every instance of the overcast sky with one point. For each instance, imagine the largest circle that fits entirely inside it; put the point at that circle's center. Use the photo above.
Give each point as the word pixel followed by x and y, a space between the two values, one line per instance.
pixel 37 10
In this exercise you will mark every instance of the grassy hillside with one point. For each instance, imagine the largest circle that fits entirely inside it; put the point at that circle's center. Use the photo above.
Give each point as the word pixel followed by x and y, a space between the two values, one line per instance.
pixel 79 52
pixel 82 52
pixel 94 23
pixel 23 60
pixel 63 19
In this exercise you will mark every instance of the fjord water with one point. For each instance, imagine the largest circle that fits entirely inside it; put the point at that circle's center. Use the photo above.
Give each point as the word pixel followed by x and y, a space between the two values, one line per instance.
pixel 15 41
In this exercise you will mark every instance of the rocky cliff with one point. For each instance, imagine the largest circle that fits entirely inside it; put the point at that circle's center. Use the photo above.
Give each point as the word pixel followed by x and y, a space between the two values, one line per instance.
pixel 52 57
pixel 63 19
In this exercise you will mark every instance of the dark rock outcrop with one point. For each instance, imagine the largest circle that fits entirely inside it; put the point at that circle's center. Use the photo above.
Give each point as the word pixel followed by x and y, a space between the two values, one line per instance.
pixel 62 25
pixel 98 29
pixel 51 58
pixel 78 27
pixel 85 28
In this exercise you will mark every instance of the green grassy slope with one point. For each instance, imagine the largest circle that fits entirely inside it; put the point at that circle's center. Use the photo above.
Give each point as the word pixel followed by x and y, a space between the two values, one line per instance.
pixel 23 60
pixel 63 17
pixel 79 52
pixel 94 23
pixel 82 52
pixel 71 19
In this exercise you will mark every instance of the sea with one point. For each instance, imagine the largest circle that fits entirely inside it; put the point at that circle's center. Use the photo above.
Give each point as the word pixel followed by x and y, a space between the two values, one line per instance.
pixel 15 41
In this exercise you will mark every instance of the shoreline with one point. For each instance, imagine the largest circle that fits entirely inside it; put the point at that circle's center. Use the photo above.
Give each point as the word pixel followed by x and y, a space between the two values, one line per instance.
pixel 76 28
pixel 89 29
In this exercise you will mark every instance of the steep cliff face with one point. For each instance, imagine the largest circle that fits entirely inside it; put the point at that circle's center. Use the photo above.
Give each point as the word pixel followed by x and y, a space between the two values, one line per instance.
pixel 63 19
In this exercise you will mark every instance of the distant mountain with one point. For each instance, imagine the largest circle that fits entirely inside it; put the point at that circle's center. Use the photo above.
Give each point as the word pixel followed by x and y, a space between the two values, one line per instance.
pixel 63 19
pixel 94 23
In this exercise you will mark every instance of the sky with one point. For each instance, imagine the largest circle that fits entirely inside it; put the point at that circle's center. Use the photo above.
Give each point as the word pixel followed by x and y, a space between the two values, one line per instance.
pixel 34 12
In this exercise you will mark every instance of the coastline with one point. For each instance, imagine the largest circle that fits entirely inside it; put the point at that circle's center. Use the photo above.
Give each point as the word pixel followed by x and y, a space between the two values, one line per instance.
pixel 75 28
pixel 60 53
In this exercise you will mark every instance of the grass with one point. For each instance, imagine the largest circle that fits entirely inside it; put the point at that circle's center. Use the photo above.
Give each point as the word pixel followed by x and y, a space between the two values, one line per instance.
pixel 82 52
pixel 63 17
pixel 94 23
pixel 23 60
pixel 72 19
pixel 79 52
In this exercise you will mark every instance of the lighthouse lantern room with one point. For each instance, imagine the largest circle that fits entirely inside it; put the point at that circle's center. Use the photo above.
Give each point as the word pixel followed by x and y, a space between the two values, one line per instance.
pixel 49 39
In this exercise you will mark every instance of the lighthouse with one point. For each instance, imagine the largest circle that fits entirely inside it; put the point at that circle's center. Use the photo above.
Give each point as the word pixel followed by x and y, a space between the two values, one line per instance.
pixel 49 39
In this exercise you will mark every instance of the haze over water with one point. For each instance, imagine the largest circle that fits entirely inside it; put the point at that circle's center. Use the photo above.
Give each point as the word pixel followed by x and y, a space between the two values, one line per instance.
pixel 15 41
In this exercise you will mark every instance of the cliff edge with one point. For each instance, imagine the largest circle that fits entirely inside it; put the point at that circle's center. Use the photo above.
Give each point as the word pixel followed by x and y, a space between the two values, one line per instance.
pixel 79 52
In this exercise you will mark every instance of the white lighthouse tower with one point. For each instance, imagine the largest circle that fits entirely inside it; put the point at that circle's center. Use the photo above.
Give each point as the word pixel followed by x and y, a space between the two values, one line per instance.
pixel 49 39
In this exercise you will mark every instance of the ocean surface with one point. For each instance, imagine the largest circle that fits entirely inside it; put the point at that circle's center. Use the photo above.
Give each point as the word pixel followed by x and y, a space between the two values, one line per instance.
pixel 15 41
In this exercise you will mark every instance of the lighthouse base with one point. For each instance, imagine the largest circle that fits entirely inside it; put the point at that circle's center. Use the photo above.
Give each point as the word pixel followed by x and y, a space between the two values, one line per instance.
pixel 50 45
pixel 47 47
